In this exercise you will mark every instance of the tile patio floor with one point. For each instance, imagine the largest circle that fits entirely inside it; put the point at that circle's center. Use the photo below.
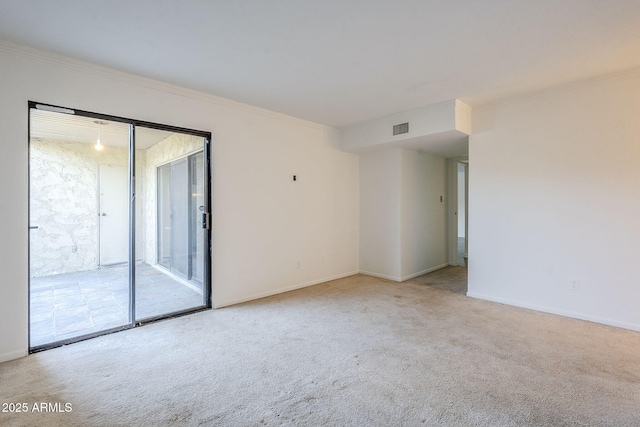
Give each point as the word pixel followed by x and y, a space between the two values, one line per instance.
pixel 73 304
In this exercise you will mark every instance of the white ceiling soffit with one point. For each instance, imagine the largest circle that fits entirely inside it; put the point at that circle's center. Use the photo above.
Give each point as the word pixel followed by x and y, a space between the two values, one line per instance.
pixel 340 62
pixel 73 128
pixel 440 129
pixel 449 144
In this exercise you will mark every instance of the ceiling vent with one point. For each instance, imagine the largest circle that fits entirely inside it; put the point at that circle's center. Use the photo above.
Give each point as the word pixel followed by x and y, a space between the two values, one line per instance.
pixel 401 128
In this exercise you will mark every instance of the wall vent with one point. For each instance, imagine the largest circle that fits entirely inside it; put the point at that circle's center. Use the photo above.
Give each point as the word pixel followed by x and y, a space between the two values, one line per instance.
pixel 401 128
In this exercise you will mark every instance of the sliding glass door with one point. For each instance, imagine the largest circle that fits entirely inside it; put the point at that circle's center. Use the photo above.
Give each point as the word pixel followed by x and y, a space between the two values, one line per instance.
pixel 180 203
pixel 170 278
pixel 119 230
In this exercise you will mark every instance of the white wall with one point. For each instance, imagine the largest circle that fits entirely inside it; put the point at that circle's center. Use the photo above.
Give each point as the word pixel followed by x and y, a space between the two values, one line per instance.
pixel 402 219
pixel 380 247
pixel 423 216
pixel 263 223
pixel 555 196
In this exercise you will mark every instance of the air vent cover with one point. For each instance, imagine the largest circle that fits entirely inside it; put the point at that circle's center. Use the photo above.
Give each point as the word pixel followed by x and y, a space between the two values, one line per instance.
pixel 401 128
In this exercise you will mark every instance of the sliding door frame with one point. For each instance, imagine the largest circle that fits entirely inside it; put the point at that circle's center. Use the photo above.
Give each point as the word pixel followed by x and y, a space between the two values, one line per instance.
pixel 165 196
pixel 206 219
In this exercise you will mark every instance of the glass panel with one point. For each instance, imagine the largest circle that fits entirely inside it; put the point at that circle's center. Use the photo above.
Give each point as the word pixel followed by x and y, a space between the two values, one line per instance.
pixel 198 234
pixel 164 215
pixel 169 274
pixel 180 217
pixel 78 238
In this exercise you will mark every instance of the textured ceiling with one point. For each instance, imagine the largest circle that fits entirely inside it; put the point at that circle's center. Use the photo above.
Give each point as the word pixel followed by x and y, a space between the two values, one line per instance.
pixel 72 128
pixel 340 62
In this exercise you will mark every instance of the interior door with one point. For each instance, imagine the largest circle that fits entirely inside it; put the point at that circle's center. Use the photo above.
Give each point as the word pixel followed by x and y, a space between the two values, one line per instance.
pixel 113 214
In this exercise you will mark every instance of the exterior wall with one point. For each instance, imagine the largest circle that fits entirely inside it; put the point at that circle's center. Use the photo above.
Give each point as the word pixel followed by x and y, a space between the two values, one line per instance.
pixel 64 204
pixel 64 200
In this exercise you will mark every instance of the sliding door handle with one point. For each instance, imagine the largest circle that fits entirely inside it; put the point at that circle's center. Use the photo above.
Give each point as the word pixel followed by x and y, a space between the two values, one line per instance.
pixel 206 219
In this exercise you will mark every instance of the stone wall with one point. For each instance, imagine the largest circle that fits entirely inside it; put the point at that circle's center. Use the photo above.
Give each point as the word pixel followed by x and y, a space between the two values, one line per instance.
pixel 64 204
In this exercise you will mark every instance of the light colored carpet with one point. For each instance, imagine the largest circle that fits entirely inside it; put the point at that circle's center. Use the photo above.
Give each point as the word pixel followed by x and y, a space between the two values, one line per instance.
pixel 452 279
pixel 358 351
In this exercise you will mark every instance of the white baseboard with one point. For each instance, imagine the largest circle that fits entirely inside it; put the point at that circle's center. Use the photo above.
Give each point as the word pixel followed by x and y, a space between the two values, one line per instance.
pixel 551 310
pixel 382 276
pixel 281 290
pixel 13 355
pixel 408 276
pixel 420 273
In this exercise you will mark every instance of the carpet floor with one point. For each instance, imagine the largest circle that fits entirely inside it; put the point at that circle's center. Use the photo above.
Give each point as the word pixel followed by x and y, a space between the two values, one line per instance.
pixel 358 351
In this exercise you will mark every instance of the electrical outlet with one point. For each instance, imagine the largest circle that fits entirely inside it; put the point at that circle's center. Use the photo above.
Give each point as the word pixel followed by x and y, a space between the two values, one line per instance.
pixel 574 285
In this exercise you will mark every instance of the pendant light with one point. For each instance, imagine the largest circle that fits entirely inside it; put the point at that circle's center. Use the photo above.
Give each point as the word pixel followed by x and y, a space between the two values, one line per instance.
pixel 99 145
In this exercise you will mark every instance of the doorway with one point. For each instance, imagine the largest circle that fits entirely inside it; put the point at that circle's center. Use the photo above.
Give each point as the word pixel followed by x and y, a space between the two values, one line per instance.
pixel 462 212
pixel 95 233
pixel 458 211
